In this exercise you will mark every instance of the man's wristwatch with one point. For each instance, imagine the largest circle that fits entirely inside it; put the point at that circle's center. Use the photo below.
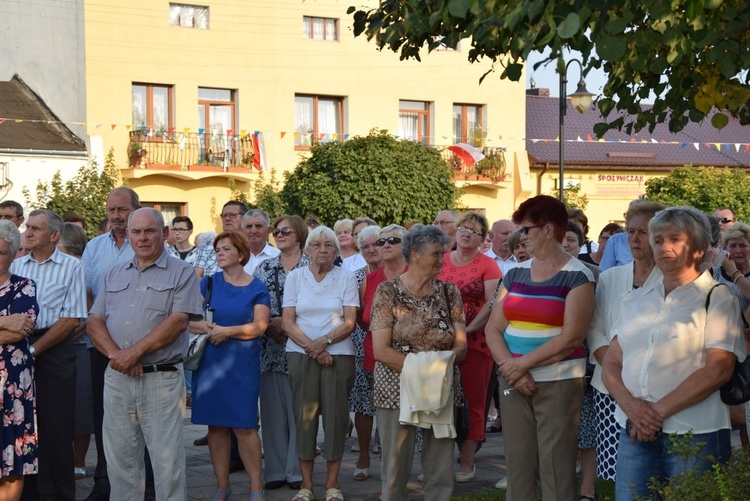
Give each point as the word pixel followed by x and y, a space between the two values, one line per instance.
pixel 328 339
pixel 32 350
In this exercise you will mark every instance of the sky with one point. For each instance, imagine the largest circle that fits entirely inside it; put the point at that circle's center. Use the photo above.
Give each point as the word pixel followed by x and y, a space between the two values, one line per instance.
pixel 547 77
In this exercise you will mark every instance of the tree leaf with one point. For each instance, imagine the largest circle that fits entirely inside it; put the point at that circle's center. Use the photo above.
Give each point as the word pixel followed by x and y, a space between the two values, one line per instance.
pixel 719 120
pixel 569 26
pixel 459 8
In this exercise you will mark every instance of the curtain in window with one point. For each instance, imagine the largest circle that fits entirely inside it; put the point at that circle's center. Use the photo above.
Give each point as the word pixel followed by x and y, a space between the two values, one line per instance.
pixel 161 109
pixel 330 29
pixel 140 114
pixel 328 118
pixel 307 27
pixel 408 125
pixel 318 29
pixel 303 120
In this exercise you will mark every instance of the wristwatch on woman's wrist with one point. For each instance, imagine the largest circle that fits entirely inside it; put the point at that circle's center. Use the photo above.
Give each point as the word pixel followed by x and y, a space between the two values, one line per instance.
pixel 328 339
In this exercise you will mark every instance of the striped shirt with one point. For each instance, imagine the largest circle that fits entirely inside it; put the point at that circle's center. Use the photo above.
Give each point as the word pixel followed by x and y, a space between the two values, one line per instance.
pixel 60 286
pixel 535 313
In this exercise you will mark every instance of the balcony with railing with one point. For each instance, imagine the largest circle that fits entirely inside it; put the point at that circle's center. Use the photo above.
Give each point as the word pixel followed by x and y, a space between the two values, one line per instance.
pixel 190 151
pixel 489 171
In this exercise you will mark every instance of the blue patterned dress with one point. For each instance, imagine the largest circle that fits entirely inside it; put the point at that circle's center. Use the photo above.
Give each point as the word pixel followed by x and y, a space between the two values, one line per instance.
pixel 18 400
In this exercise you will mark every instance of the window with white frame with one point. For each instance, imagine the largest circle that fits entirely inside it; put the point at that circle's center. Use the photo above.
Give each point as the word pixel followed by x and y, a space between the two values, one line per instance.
pixel 188 16
pixel 320 28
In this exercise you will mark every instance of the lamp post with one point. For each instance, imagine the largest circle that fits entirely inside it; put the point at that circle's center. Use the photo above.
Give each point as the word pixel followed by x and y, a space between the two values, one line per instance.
pixel 581 100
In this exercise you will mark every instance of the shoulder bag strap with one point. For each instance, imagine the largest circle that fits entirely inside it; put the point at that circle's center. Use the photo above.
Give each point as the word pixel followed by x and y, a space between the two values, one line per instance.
pixel 209 286
pixel 448 302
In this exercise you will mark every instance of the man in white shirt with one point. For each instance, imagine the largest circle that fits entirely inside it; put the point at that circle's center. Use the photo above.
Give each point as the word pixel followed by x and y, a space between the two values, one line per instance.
pixel 256 225
pixel 500 250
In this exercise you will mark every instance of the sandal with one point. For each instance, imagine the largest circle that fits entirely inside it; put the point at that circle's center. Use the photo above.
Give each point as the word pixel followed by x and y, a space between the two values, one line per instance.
pixel 304 495
pixel 222 492
pixel 334 494
pixel 79 473
pixel 361 473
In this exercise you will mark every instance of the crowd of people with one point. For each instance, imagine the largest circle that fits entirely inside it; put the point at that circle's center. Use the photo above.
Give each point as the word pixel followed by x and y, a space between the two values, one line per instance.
pixel 590 353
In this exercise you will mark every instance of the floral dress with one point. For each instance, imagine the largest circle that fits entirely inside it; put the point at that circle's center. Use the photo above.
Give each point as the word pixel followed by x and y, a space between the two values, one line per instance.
pixel 17 400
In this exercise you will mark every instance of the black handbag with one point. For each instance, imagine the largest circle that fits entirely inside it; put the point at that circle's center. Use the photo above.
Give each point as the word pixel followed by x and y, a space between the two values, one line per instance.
pixel 736 391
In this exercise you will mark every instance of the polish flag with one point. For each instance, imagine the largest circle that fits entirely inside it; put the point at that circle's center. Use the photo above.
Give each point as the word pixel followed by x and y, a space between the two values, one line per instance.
pixel 260 161
pixel 467 153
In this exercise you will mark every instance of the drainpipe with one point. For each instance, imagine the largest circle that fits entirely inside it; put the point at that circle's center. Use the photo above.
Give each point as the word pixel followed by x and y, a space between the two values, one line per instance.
pixel 539 178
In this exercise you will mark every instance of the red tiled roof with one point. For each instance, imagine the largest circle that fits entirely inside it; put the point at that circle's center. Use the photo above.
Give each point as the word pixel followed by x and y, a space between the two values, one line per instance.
pixel 542 123
pixel 40 128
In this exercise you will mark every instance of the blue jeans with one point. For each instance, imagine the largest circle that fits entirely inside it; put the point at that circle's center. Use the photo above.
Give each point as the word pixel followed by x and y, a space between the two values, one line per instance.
pixel 638 463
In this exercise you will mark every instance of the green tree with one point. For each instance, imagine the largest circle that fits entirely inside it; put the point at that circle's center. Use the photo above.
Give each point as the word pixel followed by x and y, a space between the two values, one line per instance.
pixel 693 54
pixel 85 194
pixel 704 188
pixel 238 195
pixel 572 197
pixel 388 180
pixel 268 195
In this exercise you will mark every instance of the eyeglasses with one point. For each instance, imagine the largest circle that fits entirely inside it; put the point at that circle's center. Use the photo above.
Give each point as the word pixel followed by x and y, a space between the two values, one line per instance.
pixel 469 231
pixel 391 240
pixel 227 215
pixel 725 220
pixel 285 231
pixel 180 230
pixel 525 229
pixel 442 223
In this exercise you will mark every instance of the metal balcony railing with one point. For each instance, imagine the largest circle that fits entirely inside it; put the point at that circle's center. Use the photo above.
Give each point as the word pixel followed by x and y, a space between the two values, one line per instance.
pixel 184 149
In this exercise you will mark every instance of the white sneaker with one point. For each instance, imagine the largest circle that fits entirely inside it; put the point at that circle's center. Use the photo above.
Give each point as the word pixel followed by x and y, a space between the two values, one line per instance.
pixel 502 483
pixel 420 477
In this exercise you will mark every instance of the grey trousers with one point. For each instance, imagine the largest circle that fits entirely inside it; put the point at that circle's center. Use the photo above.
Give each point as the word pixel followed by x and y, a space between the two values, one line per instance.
pixel 320 391
pixel 398 453
pixel 278 429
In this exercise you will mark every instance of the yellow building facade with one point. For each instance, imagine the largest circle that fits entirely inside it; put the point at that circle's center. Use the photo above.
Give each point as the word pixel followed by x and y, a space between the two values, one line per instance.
pixel 180 90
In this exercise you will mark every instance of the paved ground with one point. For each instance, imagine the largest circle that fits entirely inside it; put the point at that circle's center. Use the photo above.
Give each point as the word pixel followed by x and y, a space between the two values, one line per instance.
pixel 202 484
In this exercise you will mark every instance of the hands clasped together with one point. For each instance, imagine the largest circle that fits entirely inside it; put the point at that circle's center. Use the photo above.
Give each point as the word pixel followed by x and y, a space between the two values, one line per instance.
pixel 316 349
pixel 516 376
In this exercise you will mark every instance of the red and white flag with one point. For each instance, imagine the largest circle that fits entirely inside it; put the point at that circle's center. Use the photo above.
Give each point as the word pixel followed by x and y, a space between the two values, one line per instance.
pixel 260 161
pixel 467 153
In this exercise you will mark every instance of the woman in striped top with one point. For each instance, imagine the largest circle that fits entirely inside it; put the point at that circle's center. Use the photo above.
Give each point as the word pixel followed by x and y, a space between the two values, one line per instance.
pixel 536 337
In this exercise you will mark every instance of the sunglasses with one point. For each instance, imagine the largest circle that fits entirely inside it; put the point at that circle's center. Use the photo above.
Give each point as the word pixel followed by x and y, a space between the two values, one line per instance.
pixel 725 220
pixel 525 229
pixel 391 240
pixel 681 212
pixel 286 231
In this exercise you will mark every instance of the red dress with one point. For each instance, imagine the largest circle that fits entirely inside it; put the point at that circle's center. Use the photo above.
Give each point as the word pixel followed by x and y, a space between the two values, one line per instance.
pixel 476 369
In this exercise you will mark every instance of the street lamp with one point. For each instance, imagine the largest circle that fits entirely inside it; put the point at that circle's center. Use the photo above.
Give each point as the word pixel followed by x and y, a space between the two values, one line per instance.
pixel 581 100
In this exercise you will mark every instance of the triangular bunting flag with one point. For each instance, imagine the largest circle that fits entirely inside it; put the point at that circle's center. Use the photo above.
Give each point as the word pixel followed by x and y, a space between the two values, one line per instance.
pixel 282 134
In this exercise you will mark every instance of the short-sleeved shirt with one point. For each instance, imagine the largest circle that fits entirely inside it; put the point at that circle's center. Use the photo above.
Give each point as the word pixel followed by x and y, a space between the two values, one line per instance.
pixel 100 255
pixel 535 312
pixel 416 323
pixel 268 252
pixel 133 301
pixel 470 281
pixel 60 286
pixel 189 256
pixel 664 341
pixel 319 306
pixel 271 272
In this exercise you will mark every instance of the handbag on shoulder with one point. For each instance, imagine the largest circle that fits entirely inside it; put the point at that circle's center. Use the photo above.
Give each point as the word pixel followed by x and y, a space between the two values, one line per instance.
pixel 198 345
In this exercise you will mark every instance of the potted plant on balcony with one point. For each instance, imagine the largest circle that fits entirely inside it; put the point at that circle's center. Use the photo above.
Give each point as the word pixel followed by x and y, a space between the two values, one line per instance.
pixel 135 153
pixel 492 166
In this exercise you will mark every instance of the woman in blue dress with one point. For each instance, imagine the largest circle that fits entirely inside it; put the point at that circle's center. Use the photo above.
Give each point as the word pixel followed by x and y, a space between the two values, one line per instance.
pixel 227 383
pixel 18 310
